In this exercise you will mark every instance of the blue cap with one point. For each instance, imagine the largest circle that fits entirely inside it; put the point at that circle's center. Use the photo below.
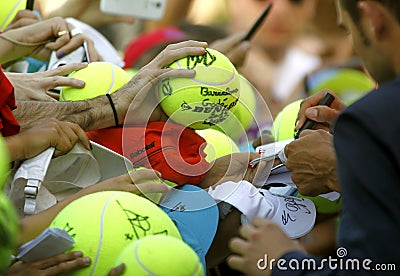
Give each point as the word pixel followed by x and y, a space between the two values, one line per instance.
pixel 196 216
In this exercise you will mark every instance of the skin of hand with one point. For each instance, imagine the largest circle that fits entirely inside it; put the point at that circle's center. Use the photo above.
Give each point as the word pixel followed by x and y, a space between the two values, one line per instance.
pixel 312 160
pixel 139 182
pixel 34 86
pixel 324 115
pixel 233 48
pixel 139 98
pixel 234 167
pixel 45 33
pixel 23 18
pixel 262 238
pixel 54 133
pixel 117 271
pixel 51 266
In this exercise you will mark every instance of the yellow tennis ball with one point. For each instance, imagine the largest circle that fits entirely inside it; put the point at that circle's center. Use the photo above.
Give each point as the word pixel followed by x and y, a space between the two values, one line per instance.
pixel 100 78
pixel 8 11
pixel 103 223
pixel 9 229
pixel 284 126
pixel 243 115
pixel 160 255
pixel 206 99
pixel 4 163
pixel 218 144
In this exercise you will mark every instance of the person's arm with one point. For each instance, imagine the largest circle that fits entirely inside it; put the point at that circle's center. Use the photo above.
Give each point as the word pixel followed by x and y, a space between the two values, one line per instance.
pixel 138 182
pixel 137 96
pixel 53 133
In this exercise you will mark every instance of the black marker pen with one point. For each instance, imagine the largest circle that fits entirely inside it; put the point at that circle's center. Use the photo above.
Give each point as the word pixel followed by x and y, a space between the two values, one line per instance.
pixel 309 124
pixel 257 23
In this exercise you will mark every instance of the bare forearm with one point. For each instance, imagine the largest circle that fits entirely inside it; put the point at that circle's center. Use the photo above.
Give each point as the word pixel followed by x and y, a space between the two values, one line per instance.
pixel 93 114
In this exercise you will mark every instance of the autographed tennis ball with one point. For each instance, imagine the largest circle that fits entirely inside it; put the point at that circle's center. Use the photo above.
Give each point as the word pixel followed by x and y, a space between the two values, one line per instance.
pixel 9 227
pixel 218 144
pixel 100 78
pixel 205 100
pixel 160 255
pixel 244 113
pixel 103 223
pixel 284 126
pixel 8 11
pixel 5 162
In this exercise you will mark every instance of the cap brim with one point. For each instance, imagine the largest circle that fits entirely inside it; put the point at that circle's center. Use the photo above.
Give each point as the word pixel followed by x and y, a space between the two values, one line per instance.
pixel 195 213
pixel 296 216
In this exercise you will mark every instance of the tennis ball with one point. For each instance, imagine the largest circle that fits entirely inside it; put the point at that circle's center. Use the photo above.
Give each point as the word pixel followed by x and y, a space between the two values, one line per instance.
pixel 8 11
pixel 4 164
pixel 205 100
pixel 348 84
pixel 160 255
pixel 243 114
pixel 284 126
pixel 9 227
pixel 100 78
pixel 218 144
pixel 103 223
pixel 324 205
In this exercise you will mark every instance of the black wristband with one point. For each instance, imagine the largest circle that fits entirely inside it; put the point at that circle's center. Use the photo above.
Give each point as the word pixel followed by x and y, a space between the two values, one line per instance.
pixel 113 109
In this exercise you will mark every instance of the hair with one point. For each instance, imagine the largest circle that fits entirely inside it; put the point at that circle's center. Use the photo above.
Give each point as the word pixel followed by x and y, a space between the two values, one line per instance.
pixel 351 6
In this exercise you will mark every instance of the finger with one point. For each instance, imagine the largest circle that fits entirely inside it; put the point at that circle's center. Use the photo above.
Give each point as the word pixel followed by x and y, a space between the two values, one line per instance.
pixel 310 101
pixel 117 271
pixel 53 82
pixel 259 222
pixel 60 258
pixel 238 54
pixel 236 262
pixel 246 231
pixel 322 114
pixel 93 54
pixel 72 45
pixel 66 139
pixel 225 44
pixel 65 70
pixel 80 134
pixel 238 245
pixel 173 52
pixel 67 266
pixel 43 97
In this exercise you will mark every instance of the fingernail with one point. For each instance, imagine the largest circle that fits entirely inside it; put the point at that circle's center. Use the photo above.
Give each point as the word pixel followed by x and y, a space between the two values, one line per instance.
pixel 86 260
pixel 78 254
pixel 60 54
pixel 297 124
pixel 81 83
pixel 311 113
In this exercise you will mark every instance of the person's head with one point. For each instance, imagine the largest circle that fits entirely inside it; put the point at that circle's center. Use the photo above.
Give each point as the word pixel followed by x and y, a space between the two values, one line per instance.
pixel 286 20
pixel 374 28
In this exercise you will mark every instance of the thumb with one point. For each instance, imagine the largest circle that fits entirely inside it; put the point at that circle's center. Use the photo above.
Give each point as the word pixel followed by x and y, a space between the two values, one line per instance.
pixel 322 114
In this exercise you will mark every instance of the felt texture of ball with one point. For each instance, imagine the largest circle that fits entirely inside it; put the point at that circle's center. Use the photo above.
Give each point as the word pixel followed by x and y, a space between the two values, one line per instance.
pixel 9 229
pixel 244 114
pixel 160 255
pixel 206 99
pixel 5 164
pixel 100 78
pixel 284 126
pixel 103 223
pixel 8 10
pixel 218 144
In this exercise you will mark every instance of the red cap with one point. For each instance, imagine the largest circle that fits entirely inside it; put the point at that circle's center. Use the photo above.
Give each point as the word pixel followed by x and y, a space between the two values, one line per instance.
pixel 140 45
pixel 175 151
